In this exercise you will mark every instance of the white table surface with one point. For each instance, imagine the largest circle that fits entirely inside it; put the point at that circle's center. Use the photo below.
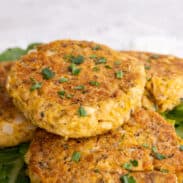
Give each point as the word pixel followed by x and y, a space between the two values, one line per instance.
pixel 151 25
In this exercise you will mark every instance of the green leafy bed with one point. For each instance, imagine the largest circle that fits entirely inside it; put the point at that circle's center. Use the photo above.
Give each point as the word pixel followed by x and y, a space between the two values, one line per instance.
pixel 12 166
pixel 175 117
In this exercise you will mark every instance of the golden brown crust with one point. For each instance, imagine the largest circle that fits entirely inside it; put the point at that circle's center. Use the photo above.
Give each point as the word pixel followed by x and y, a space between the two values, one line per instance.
pixel 164 79
pixel 102 158
pixel 32 64
pixel 160 65
pixel 114 88
pixel 154 177
pixel 14 128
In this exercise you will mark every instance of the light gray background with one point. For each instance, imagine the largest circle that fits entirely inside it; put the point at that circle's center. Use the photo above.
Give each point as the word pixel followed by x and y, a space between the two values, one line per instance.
pixel 151 25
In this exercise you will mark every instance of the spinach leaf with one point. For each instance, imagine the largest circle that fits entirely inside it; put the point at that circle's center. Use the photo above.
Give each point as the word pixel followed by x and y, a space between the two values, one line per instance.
pixel 12 167
pixel 15 53
pixel 12 54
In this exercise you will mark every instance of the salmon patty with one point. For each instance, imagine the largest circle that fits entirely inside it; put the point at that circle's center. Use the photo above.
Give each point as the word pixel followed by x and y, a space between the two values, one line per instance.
pixel 164 87
pixel 145 149
pixel 14 128
pixel 76 88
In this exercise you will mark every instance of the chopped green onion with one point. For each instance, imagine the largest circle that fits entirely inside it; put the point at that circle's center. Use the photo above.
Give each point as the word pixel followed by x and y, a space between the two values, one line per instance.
pixel 158 155
pixel 127 166
pixel 82 112
pixel 74 70
pixel 35 85
pixel 145 145
pixel 76 156
pixel 134 162
pixel 96 69
pixel 94 83
pixel 93 56
pixel 63 80
pixel 101 60
pixel 154 149
pixel 47 73
pixel 80 87
pixel 119 74
pixel 69 96
pixel 97 47
pixel 77 60
pixel 127 179
pixel 61 93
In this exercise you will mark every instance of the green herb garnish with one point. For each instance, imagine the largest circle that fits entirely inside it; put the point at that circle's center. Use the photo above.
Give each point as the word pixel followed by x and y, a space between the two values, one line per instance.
pixel 61 93
pixel 127 179
pixel 101 60
pixel 154 149
pixel 93 56
pixel 127 166
pixel 134 162
pixel 63 80
pixel 96 69
pixel 80 87
pixel 47 73
pixel 77 60
pixel 35 84
pixel 82 112
pixel 74 70
pixel 97 47
pixel 94 83
pixel 119 74
pixel 145 145
pixel 157 155
pixel 69 96
pixel 76 156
